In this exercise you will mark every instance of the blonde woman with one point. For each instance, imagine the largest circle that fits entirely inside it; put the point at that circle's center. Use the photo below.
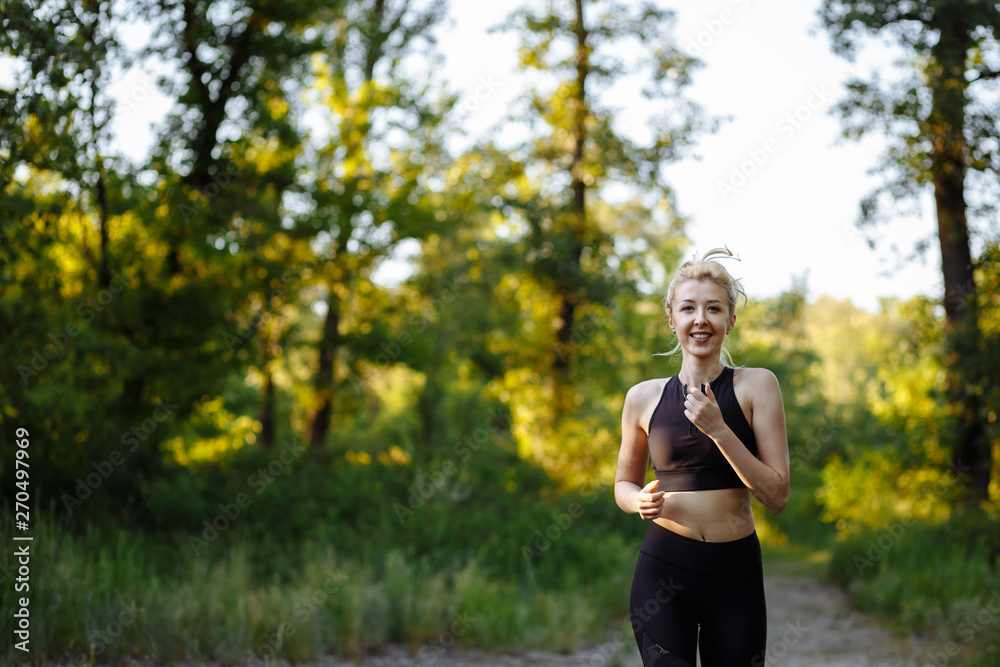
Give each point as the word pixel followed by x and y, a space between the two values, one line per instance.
pixel 716 436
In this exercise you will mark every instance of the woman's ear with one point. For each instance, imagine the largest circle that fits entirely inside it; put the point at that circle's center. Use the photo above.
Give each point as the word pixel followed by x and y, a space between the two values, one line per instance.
pixel 732 323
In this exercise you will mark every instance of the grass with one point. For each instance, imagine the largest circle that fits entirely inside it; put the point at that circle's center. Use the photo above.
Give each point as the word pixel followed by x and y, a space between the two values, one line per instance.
pixel 936 579
pixel 101 596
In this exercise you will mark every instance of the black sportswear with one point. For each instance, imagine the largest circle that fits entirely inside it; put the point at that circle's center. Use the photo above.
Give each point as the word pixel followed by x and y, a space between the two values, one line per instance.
pixel 684 458
pixel 688 595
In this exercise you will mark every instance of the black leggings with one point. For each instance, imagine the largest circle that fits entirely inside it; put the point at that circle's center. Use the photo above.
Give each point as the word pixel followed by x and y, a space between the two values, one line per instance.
pixel 682 585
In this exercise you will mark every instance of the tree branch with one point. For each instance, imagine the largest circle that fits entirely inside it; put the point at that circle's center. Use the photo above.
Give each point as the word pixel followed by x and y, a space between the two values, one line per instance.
pixel 986 74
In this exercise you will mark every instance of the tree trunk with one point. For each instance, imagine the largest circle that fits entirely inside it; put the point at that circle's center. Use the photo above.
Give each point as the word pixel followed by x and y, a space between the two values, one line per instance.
pixel 104 273
pixel 211 106
pixel 267 405
pixel 100 189
pixel 427 409
pixel 568 296
pixel 318 425
pixel 971 456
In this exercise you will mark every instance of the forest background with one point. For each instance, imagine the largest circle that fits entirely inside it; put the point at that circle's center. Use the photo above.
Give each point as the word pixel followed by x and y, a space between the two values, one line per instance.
pixel 238 437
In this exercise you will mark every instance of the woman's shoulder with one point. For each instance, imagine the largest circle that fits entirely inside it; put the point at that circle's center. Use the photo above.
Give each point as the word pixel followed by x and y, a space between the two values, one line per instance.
pixel 645 391
pixel 641 397
pixel 655 384
pixel 759 379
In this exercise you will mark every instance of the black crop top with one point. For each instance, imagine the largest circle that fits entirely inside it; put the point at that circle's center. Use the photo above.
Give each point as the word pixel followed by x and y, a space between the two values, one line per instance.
pixel 684 458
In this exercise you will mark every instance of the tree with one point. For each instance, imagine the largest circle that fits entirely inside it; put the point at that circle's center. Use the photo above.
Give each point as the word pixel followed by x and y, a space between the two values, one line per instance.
pixel 185 247
pixel 583 248
pixel 578 144
pixel 943 134
pixel 63 53
pixel 371 187
pixel 65 292
pixel 230 156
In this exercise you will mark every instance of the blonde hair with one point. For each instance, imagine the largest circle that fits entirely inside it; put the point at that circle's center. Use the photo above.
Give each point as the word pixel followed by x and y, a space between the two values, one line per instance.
pixel 706 268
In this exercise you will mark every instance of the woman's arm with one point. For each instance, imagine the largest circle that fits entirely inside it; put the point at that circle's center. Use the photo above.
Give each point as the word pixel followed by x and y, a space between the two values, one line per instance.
pixel 767 478
pixel 630 494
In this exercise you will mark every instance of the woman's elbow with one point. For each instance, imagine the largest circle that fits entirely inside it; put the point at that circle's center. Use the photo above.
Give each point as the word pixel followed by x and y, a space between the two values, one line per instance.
pixel 778 506
pixel 621 497
pixel 777 502
pixel 774 496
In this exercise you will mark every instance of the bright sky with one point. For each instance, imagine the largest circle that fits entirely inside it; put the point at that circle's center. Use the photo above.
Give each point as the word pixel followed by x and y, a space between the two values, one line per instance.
pixel 794 187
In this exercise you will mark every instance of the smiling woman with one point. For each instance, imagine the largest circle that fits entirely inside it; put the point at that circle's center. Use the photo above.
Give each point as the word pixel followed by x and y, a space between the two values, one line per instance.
pixel 716 436
pixel 695 273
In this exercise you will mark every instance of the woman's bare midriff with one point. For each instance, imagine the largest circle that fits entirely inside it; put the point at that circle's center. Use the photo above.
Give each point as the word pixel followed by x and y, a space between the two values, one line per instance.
pixel 717 515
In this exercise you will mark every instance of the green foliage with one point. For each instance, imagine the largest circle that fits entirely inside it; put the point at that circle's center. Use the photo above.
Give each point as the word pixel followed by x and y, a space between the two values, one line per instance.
pixel 571 258
pixel 799 532
pixel 927 578
pixel 876 488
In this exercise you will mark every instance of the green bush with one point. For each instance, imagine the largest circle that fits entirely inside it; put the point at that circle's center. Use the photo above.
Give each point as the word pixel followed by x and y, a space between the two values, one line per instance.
pixel 925 578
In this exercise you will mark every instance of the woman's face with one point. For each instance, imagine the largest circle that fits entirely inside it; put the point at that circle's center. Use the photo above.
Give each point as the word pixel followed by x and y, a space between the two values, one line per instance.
pixel 700 317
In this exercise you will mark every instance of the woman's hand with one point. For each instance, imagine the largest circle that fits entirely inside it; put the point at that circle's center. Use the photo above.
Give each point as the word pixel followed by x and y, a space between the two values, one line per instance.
pixel 649 501
pixel 703 411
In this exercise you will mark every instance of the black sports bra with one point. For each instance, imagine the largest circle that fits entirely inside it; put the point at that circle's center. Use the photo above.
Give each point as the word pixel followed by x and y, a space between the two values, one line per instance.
pixel 684 458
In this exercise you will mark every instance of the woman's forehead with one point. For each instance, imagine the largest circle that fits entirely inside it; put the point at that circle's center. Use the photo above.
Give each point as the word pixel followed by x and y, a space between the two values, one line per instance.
pixel 699 290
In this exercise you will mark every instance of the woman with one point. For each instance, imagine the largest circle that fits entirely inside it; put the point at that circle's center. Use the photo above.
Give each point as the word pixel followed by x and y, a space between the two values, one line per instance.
pixel 716 436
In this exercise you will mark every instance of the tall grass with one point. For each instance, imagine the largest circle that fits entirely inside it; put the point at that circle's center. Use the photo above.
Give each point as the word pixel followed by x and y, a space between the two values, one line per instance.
pixel 928 578
pixel 940 580
pixel 101 596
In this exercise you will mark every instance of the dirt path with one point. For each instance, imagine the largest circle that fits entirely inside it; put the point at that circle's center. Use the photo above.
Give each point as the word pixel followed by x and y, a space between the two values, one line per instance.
pixel 809 625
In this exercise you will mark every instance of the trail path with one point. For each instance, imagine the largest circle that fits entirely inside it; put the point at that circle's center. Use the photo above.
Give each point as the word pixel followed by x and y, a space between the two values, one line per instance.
pixel 809 625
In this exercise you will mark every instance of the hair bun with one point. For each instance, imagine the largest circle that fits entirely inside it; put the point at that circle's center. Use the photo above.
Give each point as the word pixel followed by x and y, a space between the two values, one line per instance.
pixel 725 251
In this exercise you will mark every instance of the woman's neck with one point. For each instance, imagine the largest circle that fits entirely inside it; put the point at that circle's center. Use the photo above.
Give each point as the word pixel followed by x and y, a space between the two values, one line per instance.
pixel 696 371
